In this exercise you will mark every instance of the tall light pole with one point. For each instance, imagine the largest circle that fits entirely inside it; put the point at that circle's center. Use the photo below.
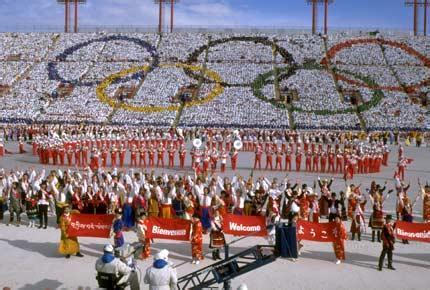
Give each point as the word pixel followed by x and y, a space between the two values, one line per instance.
pixel 314 4
pixel 67 9
pixel 160 15
pixel 417 4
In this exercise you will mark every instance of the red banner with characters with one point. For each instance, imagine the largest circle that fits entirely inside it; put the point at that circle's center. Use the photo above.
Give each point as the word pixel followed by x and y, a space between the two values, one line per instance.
pixel 169 229
pixel 317 232
pixel 245 225
pixel 90 225
pixel 413 231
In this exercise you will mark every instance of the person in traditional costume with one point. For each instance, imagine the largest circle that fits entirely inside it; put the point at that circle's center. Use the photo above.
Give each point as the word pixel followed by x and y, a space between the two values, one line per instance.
pixel 324 186
pixel 117 227
pixel 31 208
pixel 425 195
pixel 15 204
pixel 356 205
pixel 153 204
pixel 68 245
pixel 217 239
pixel 333 207
pixel 128 217
pixel 205 199
pixel 407 208
pixel 377 218
pixel 142 228
pixel 196 240
pixel 339 242
pixel 190 205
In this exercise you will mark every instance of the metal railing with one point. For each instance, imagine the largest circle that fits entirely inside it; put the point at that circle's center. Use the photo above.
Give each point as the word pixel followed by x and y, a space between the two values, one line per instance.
pixel 194 29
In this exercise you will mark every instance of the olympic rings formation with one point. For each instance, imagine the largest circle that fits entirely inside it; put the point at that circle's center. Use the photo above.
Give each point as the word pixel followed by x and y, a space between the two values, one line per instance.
pixel 55 75
pixel 104 98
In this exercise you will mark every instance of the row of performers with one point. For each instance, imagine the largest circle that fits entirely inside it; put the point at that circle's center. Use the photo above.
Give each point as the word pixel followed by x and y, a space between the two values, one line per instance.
pixel 309 205
pixel 205 160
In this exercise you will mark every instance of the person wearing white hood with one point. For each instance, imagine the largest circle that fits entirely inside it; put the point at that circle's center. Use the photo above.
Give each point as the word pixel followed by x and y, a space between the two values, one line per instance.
pixel 161 275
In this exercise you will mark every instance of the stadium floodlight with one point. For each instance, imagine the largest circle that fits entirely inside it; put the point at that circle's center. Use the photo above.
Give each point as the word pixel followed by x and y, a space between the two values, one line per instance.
pixel 416 4
pixel 160 15
pixel 314 4
pixel 66 4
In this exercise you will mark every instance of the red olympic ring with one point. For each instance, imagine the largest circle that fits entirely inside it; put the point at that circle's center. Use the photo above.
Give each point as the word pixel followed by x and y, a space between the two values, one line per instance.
pixel 347 44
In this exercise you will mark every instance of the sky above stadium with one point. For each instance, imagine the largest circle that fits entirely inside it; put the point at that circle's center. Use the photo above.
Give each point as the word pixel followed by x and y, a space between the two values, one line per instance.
pixel 391 14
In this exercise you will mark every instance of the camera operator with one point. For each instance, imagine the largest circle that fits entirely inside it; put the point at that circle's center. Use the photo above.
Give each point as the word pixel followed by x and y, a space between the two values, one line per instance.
pixel 109 264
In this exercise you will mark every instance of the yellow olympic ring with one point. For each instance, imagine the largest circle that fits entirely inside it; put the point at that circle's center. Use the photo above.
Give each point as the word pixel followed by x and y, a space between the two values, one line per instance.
pixel 104 98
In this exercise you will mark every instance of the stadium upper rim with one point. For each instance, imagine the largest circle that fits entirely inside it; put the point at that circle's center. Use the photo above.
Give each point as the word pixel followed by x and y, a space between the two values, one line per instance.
pixel 197 29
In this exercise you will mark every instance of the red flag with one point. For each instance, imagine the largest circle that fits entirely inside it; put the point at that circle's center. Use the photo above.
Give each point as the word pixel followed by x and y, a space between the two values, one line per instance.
pixel 413 231
pixel 239 225
pixel 169 229
pixel 90 225
pixel 318 232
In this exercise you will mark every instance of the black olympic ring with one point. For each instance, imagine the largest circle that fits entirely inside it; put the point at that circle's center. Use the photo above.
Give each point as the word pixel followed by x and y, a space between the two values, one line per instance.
pixel 193 57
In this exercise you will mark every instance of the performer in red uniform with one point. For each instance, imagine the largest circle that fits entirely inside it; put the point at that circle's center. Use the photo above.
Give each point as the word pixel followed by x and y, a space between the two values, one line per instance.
pixel 160 156
pixel 214 159
pixel 61 155
pixel 339 162
pixel 234 155
pixel 308 161
pixel 151 155
pixel 21 145
pixel 278 161
pixel 94 159
pixel 298 159
pixel 142 155
pixel 331 157
pixel 122 153
pixel 104 156
pixel 269 153
pixel 315 159
pixel 223 156
pixel 69 155
pixel 133 155
pixel 77 156
pixel 258 154
pixel 288 154
pixel 182 154
pixel 113 156
pixel 323 161
pixel 84 156
pixel 54 155
pixel 171 153
pixel 35 145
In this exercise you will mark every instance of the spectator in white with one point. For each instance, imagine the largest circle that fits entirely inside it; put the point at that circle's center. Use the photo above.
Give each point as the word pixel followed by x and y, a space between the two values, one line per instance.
pixel 161 275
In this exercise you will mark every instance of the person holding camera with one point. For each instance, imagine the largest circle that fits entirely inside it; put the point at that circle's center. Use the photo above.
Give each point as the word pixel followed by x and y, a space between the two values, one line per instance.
pixel 113 273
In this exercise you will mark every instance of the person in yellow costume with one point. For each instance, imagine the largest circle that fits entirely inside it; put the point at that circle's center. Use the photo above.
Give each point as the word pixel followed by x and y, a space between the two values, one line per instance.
pixel 68 245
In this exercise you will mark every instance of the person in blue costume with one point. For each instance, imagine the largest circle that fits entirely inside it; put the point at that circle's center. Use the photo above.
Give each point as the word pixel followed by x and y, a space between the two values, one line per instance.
pixel 117 226
pixel 128 217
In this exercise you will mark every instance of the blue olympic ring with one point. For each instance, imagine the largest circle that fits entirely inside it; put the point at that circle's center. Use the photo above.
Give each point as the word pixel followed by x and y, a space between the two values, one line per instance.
pixel 53 73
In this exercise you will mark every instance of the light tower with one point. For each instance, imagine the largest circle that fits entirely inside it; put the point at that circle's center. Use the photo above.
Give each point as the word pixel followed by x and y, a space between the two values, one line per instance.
pixel 67 9
pixel 416 4
pixel 314 4
pixel 160 15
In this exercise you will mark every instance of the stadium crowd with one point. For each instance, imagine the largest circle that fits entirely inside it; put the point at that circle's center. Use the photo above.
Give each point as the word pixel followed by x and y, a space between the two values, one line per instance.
pixel 30 79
